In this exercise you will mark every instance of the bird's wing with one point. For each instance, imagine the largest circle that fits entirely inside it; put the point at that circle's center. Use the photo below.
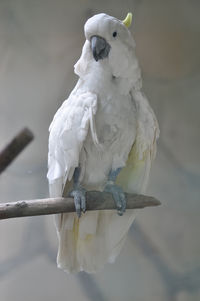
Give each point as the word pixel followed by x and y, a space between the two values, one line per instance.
pixel 134 176
pixel 68 131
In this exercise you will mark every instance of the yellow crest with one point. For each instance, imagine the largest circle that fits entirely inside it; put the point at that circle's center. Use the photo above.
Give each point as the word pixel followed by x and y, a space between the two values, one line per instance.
pixel 128 20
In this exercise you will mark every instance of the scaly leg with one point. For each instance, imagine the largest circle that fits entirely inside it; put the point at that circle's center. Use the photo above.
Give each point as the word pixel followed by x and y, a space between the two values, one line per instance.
pixel 78 193
pixel 117 192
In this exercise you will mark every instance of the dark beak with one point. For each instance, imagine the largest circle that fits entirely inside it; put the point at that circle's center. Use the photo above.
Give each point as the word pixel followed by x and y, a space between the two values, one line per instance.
pixel 100 48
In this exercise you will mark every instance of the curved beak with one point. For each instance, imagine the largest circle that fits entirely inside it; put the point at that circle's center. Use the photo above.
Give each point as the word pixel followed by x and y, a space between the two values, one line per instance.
pixel 100 48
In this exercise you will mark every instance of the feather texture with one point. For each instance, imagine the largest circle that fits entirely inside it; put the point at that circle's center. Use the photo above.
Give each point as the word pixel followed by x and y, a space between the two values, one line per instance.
pixel 134 176
pixel 105 124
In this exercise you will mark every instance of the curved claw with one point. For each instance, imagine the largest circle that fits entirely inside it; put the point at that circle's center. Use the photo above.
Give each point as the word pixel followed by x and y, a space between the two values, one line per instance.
pixel 118 196
pixel 79 200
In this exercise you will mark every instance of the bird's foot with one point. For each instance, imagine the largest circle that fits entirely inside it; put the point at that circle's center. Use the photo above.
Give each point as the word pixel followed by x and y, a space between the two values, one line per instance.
pixel 118 196
pixel 79 200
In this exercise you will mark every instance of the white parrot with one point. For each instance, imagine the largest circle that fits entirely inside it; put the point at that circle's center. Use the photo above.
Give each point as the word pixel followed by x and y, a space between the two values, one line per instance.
pixel 102 138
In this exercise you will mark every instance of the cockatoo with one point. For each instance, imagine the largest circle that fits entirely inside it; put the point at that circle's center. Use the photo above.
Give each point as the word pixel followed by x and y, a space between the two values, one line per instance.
pixel 103 138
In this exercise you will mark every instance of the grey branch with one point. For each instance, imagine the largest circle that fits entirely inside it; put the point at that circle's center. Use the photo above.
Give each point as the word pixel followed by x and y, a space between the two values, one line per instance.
pixel 12 150
pixel 95 201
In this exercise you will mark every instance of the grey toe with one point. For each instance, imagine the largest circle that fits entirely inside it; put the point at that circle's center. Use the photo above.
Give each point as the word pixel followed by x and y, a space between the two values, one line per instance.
pixel 79 200
pixel 118 196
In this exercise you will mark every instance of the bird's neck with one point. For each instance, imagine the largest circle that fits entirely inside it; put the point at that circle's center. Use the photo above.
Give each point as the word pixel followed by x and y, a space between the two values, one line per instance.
pixel 99 79
pixel 99 76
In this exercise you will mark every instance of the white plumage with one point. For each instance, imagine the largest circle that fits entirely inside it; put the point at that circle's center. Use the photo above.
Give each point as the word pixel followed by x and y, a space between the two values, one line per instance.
pixel 105 124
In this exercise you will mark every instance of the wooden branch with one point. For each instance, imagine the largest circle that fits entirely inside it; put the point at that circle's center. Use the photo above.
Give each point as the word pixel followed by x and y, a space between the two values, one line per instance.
pixel 95 201
pixel 12 150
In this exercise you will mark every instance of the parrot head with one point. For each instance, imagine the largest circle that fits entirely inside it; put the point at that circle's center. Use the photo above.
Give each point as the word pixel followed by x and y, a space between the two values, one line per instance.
pixel 109 46
pixel 106 33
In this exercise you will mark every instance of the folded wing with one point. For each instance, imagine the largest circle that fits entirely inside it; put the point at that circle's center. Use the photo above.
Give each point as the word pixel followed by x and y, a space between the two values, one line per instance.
pixel 134 176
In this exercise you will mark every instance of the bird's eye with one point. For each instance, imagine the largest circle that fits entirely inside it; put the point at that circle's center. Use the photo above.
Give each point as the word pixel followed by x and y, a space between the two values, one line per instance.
pixel 114 34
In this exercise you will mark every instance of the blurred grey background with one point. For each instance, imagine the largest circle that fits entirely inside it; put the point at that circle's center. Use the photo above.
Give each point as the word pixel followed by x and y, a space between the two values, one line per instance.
pixel 40 41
